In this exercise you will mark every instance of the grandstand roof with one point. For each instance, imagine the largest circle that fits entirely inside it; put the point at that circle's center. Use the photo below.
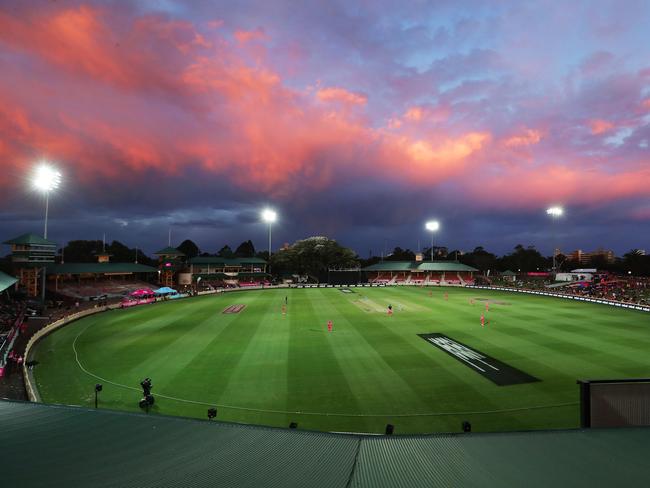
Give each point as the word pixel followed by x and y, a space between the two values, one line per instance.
pixel 30 239
pixel 390 266
pixel 98 268
pixel 226 261
pixel 70 446
pixel 169 251
pixel 419 266
pixel 6 281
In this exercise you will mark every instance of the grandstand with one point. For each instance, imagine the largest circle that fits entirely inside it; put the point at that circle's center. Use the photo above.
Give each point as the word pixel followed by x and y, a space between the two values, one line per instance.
pixel 420 273
pixel 170 262
pixel 84 281
pixel 12 317
pixel 29 253
pixel 229 272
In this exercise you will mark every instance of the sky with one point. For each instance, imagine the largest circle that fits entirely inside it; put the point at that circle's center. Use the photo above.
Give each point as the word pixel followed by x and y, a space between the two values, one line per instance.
pixel 358 120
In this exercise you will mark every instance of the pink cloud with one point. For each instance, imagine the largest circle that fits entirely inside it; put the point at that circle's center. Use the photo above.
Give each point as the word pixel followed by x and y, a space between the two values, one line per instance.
pixel 253 35
pixel 244 121
pixel 599 126
pixel 338 94
pixel 527 138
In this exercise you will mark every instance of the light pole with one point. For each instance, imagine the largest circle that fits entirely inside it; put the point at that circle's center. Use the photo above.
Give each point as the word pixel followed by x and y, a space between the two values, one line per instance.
pixel 432 226
pixel 555 213
pixel 45 180
pixel 98 388
pixel 269 216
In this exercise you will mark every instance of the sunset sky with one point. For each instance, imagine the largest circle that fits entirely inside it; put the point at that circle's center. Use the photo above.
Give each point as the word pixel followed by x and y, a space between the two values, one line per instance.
pixel 356 120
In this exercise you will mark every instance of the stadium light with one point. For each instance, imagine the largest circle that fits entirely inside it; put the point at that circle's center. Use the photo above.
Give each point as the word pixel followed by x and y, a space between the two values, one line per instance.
pixel 432 226
pixel 269 216
pixel 45 179
pixel 555 213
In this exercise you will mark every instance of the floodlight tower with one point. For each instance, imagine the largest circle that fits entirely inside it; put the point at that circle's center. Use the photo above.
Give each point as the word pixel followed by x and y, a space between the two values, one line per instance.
pixel 432 226
pixel 269 216
pixel 555 213
pixel 46 179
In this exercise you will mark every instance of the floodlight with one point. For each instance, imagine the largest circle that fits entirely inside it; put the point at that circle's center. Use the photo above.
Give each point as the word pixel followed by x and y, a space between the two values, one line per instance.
pixel 46 178
pixel 269 216
pixel 432 225
pixel 555 212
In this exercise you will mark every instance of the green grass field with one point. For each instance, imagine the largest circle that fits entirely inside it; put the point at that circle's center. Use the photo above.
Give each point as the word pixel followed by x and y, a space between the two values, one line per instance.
pixel 263 367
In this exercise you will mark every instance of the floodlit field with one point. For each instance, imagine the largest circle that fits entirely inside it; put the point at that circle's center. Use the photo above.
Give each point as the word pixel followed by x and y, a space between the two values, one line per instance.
pixel 260 366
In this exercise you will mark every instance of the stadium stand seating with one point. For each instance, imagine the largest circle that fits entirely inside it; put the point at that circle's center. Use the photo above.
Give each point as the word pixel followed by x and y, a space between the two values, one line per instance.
pixel 108 288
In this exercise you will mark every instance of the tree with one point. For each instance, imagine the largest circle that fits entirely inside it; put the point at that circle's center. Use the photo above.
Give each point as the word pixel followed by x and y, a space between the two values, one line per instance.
pixel 81 251
pixel 189 248
pixel 245 250
pixel 400 254
pixel 86 252
pixel 524 259
pixel 637 262
pixel 313 256
pixel 479 258
pixel 225 252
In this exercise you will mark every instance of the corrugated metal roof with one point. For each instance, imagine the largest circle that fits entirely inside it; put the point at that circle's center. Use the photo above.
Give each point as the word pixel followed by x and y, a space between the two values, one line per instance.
pixel 226 261
pixel 444 266
pixel 390 266
pixel 70 446
pixel 31 239
pixel 97 268
pixel 419 266
pixel 6 281
pixel 169 251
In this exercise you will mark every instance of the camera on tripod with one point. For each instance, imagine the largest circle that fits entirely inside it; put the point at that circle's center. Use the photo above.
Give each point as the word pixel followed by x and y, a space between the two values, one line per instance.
pixel 147 398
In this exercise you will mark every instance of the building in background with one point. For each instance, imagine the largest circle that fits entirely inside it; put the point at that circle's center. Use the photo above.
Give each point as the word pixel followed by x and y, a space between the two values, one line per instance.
pixel 582 257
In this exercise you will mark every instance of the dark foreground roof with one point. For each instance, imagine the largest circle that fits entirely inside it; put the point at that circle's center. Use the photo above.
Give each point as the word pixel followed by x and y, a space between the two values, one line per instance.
pixel 70 446
pixel 98 268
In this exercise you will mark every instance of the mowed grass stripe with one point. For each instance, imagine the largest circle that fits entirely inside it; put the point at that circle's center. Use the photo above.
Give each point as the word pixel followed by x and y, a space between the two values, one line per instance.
pixel 145 353
pixel 447 382
pixel 374 381
pixel 317 382
pixel 369 364
pixel 260 380
pixel 423 371
pixel 207 374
